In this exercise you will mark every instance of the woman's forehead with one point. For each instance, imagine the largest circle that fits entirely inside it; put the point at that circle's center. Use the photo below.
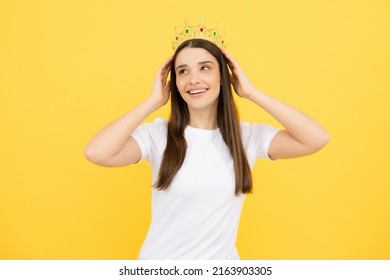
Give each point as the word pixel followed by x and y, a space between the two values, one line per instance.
pixel 192 56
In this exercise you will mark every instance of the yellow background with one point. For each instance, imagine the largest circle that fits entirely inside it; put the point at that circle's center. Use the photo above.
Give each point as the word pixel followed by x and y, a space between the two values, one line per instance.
pixel 68 68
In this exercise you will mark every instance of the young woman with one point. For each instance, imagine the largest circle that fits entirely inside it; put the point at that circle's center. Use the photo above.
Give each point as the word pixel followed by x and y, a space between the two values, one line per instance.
pixel 202 157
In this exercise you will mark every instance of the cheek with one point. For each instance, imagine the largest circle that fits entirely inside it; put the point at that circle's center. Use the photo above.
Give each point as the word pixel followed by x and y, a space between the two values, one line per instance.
pixel 180 84
pixel 216 80
pixel 217 77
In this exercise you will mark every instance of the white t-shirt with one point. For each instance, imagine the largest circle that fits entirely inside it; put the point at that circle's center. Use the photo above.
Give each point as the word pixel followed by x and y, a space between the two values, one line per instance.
pixel 197 216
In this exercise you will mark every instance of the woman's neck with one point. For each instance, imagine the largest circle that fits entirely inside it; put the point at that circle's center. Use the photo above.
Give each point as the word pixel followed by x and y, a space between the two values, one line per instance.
pixel 203 119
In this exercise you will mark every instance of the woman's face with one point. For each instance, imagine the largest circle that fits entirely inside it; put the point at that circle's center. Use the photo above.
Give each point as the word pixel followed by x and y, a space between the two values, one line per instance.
pixel 197 78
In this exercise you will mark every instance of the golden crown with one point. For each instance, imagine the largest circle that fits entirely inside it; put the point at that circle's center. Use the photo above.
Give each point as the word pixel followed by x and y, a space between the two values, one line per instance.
pixel 197 31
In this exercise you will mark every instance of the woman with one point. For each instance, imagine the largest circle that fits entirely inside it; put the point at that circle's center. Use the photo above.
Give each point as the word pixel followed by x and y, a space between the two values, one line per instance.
pixel 202 158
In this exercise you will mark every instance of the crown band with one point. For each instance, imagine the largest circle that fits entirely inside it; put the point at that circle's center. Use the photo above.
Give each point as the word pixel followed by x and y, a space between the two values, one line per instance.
pixel 199 31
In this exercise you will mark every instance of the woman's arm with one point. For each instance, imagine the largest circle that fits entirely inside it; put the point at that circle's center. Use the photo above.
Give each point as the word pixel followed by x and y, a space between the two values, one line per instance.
pixel 302 135
pixel 113 145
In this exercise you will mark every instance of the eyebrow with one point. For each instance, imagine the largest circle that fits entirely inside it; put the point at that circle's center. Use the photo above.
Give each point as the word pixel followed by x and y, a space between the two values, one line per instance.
pixel 200 63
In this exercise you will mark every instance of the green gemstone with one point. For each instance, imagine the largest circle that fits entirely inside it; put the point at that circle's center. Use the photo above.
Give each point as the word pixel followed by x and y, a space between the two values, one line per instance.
pixel 215 33
pixel 187 31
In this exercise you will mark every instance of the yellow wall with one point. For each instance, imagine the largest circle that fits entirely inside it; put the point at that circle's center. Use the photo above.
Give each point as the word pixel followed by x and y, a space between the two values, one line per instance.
pixel 68 68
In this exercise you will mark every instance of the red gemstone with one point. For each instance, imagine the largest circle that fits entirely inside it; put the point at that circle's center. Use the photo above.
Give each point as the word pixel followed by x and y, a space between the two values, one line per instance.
pixel 177 38
pixel 201 30
pixel 222 42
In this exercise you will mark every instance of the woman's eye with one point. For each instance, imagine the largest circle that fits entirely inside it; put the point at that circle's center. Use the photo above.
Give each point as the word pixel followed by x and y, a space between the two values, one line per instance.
pixel 183 71
pixel 205 68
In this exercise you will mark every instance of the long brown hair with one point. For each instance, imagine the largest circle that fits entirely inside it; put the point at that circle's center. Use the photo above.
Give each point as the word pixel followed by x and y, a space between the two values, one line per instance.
pixel 227 119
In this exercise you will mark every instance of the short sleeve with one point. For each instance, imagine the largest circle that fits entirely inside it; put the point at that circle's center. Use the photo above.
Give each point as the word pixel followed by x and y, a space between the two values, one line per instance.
pixel 151 138
pixel 257 139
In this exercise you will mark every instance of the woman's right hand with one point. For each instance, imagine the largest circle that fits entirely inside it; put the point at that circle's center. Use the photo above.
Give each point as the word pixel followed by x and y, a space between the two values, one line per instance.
pixel 162 87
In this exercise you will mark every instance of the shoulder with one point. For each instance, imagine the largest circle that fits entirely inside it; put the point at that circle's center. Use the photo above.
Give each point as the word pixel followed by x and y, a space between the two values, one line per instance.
pixel 151 131
pixel 151 138
pixel 159 122
pixel 159 125
pixel 257 139
pixel 257 130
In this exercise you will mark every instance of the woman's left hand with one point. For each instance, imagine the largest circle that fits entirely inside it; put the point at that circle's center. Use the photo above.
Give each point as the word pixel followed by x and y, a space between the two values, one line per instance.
pixel 240 82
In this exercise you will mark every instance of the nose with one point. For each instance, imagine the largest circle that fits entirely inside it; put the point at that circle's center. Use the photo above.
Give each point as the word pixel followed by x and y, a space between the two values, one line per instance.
pixel 194 79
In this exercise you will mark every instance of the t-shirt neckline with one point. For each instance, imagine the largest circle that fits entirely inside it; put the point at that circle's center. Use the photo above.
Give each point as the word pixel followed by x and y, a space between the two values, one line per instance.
pixel 201 130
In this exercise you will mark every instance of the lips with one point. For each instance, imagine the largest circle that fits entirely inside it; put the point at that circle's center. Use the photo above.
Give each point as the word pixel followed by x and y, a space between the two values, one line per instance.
pixel 196 91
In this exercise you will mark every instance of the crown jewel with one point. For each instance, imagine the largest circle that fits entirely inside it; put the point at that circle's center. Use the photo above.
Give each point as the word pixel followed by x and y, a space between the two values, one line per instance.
pixel 198 31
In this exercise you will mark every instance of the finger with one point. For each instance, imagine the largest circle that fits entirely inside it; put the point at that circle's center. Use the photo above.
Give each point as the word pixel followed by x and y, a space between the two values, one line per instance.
pixel 166 65
pixel 164 76
pixel 232 79
pixel 226 54
pixel 168 62
pixel 223 51
pixel 231 61
pixel 165 68
pixel 230 64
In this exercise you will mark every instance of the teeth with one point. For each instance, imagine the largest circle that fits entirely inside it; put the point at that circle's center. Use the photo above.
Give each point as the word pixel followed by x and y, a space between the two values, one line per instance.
pixel 197 91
